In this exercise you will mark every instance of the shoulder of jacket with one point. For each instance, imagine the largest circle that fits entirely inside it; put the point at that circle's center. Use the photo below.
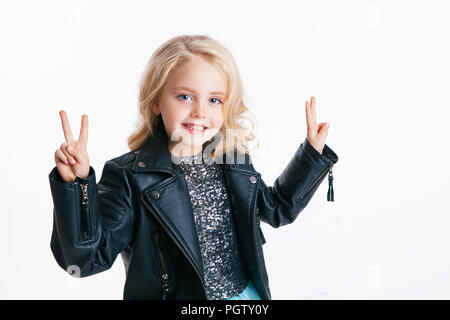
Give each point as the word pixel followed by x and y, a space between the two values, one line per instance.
pixel 125 159
pixel 243 161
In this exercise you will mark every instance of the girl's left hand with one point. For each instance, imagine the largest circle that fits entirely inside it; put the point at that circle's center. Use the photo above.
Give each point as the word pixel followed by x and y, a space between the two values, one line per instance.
pixel 316 132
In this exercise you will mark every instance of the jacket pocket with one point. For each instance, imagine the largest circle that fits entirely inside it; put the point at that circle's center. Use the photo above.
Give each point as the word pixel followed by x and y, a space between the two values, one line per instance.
pixel 162 263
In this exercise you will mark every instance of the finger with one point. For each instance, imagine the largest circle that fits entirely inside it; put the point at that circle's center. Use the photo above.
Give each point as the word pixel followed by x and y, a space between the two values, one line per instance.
pixel 75 150
pixel 59 155
pixel 84 129
pixel 323 132
pixel 66 126
pixel 324 126
pixel 313 109
pixel 63 149
pixel 309 122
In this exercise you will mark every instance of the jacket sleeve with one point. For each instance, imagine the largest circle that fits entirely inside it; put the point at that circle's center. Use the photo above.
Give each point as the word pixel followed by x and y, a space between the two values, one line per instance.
pixel 281 203
pixel 86 238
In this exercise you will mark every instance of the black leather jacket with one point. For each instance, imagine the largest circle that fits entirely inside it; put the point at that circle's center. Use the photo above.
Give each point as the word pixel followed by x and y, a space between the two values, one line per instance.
pixel 141 209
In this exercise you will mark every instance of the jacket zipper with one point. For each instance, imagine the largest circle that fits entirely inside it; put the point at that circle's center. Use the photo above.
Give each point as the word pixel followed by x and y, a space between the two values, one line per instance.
pixel 176 242
pixel 84 213
pixel 263 240
pixel 164 275
pixel 258 250
pixel 330 194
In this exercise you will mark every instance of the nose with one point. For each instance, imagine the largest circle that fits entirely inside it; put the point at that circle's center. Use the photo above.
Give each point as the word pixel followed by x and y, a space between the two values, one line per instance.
pixel 199 111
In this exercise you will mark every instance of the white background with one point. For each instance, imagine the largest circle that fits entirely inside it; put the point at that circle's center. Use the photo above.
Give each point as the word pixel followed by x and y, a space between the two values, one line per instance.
pixel 378 69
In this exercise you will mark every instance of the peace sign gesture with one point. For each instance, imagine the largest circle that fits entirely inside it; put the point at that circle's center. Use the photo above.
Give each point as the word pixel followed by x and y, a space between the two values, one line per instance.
pixel 316 132
pixel 71 158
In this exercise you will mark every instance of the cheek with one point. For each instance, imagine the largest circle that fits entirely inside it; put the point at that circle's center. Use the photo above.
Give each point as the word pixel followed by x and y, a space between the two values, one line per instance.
pixel 176 115
pixel 217 120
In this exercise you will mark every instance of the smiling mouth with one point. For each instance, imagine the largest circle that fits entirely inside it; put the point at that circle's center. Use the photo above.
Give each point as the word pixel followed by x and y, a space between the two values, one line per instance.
pixel 194 128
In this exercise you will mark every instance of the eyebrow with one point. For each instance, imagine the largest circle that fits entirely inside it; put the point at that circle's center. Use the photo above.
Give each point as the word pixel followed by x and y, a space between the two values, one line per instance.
pixel 192 90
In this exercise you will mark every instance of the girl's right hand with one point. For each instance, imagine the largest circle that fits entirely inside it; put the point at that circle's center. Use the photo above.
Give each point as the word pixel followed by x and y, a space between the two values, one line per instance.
pixel 71 158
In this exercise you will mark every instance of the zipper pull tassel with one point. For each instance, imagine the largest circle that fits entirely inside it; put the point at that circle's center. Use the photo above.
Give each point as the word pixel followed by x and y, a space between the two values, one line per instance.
pixel 330 194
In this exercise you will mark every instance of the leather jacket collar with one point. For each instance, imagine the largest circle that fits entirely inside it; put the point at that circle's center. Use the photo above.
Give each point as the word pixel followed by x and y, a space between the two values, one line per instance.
pixel 154 155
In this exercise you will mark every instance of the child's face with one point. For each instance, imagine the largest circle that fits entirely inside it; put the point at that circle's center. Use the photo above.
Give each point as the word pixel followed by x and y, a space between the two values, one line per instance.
pixel 200 102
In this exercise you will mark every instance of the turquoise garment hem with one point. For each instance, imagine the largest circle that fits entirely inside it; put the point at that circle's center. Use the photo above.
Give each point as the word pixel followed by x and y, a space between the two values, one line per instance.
pixel 249 293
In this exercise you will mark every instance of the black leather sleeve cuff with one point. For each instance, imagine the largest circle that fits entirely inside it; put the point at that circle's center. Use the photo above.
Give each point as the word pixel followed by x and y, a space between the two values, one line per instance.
pixel 327 153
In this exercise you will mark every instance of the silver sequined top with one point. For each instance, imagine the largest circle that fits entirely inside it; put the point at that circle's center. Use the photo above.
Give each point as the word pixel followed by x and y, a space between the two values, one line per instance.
pixel 225 273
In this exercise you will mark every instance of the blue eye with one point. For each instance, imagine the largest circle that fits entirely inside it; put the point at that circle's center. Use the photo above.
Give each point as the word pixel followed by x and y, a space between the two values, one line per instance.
pixel 185 95
pixel 181 95
pixel 217 100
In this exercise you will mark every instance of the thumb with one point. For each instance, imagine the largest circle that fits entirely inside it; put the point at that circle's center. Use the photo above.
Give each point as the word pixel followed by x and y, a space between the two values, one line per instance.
pixel 70 150
pixel 75 153
pixel 323 129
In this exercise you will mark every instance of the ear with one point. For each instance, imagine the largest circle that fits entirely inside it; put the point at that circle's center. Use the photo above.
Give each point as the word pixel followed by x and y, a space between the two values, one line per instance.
pixel 155 108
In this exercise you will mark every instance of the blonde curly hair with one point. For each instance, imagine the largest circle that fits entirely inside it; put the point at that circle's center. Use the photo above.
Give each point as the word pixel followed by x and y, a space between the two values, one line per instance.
pixel 173 54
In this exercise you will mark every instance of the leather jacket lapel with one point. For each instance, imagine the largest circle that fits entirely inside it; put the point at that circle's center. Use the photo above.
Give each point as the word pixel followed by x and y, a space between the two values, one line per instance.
pixel 242 193
pixel 171 203
pixel 169 198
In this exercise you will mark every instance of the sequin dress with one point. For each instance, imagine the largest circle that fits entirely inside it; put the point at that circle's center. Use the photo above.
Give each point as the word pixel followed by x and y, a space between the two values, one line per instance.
pixel 224 270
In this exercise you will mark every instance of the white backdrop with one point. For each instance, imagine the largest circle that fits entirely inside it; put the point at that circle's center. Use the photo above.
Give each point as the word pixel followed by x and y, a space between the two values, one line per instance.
pixel 378 69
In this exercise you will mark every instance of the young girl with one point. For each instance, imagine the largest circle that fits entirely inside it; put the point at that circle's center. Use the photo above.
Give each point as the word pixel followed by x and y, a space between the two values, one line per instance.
pixel 183 207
